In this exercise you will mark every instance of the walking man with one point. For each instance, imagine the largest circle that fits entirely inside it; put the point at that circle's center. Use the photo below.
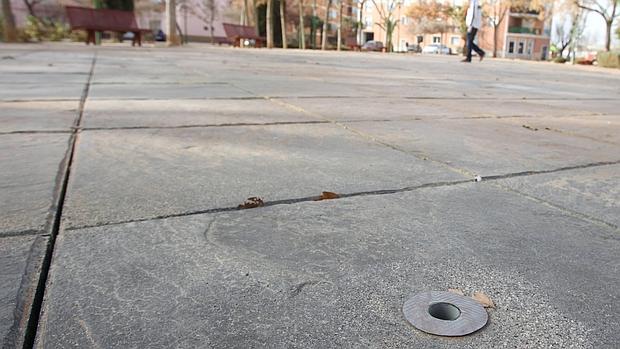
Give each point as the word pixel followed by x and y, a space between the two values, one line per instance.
pixel 473 21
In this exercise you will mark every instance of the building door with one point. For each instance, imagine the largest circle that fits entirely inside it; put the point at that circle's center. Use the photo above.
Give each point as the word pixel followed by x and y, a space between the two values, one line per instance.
pixel 368 36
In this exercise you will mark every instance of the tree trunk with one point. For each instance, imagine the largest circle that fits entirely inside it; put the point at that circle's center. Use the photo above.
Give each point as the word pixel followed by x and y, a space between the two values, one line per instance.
pixel 171 23
pixel 10 31
pixel 244 20
pixel 360 25
pixel 324 32
pixel 494 41
pixel 302 36
pixel 608 35
pixel 339 46
pixel 269 24
pixel 313 26
pixel 283 23
pixel 255 8
pixel 30 8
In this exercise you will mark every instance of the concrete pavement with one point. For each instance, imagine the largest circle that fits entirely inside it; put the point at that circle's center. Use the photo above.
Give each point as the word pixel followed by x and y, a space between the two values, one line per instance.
pixel 121 170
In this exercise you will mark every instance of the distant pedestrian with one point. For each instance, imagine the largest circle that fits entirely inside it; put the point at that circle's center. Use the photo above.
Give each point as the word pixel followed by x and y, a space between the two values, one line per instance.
pixel 473 21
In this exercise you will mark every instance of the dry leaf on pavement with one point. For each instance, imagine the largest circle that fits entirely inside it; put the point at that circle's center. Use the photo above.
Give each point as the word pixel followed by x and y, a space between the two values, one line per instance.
pixel 252 203
pixel 327 195
pixel 483 299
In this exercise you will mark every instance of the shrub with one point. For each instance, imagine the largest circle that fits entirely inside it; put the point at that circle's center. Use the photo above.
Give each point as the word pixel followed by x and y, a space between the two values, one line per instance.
pixel 559 60
pixel 608 59
pixel 45 30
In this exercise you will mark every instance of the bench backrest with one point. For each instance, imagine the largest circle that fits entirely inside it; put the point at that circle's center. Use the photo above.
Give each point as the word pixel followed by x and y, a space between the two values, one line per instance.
pixel 101 19
pixel 240 31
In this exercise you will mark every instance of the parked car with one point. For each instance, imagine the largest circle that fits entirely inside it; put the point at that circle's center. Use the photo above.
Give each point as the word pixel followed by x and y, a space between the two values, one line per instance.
pixel 414 48
pixel 437 49
pixel 372 45
pixel 128 36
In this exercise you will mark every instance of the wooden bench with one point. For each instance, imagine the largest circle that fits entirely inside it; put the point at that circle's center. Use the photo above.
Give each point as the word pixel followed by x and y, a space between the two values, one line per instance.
pixel 236 33
pixel 97 20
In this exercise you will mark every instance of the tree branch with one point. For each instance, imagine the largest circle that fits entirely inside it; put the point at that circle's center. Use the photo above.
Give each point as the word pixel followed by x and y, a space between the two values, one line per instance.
pixel 591 9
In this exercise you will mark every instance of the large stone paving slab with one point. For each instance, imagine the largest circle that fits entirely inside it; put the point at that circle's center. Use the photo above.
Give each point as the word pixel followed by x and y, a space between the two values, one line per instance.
pixel 30 168
pixel 41 91
pixel 593 191
pixel 364 108
pixel 601 128
pixel 20 263
pixel 490 147
pixel 37 116
pixel 137 174
pixel 165 91
pixel 336 274
pixel 170 113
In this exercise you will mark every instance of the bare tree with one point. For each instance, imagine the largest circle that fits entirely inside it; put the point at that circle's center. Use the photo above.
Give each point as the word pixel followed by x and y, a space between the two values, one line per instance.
pixel 245 18
pixel 339 36
pixel 30 5
pixel 302 35
pixel 255 8
pixel 563 37
pixel 283 23
pixel 360 23
pixel 576 32
pixel 171 23
pixel 496 11
pixel 269 23
pixel 206 11
pixel 325 23
pixel 608 11
pixel 8 21
pixel 388 23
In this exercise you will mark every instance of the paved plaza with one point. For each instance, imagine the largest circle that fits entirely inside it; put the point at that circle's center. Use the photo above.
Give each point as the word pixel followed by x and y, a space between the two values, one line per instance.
pixel 121 171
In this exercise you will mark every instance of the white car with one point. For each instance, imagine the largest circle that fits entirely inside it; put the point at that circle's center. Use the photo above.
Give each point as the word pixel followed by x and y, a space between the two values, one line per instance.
pixel 437 49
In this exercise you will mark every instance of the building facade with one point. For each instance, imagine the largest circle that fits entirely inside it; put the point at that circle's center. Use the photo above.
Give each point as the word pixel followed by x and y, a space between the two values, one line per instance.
pixel 522 34
pixel 405 33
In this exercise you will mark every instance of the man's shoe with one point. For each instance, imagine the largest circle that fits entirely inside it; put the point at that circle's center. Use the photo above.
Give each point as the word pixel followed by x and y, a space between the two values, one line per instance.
pixel 482 56
pixel 466 60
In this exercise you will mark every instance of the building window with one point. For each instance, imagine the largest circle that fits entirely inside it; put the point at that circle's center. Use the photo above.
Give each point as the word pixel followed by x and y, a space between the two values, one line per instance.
pixel 455 40
pixel 368 21
pixel 436 39
pixel 511 47
pixel 529 48
pixel 404 20
pixel 520 51
pixel 420 39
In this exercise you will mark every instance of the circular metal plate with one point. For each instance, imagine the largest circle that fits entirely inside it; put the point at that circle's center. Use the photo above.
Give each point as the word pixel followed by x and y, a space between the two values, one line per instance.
pixel 471 318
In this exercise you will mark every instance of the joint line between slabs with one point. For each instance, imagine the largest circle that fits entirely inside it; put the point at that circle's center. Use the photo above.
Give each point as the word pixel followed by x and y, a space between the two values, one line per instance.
pixel 373 193
pixel 54 223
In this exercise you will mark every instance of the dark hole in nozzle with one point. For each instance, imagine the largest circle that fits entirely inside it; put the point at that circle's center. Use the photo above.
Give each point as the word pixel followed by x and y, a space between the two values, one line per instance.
pixel 444 311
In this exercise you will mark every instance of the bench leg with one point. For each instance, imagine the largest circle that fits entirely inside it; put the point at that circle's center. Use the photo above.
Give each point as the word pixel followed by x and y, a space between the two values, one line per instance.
pixel 90 37
pixel 137 39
